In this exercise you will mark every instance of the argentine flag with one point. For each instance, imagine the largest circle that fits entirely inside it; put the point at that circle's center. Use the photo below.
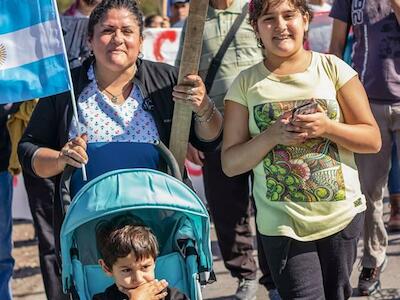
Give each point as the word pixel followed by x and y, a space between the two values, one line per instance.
pixel 32 59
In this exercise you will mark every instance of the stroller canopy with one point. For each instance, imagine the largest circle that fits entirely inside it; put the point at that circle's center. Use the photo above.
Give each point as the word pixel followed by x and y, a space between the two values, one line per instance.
pixel 140 191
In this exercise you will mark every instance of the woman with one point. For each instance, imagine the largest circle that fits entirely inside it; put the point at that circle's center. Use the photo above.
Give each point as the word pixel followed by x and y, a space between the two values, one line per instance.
pixel 309 203
pixel 121 98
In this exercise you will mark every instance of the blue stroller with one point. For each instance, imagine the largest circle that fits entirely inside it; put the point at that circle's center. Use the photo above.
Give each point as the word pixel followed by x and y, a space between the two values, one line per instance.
pixel 172 210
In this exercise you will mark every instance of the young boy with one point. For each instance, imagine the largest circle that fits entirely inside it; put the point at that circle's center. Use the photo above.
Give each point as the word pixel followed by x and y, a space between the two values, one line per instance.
pixel 128 252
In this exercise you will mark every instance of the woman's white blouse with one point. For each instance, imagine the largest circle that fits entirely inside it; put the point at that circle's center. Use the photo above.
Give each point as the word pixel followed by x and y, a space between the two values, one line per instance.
pixel 104 121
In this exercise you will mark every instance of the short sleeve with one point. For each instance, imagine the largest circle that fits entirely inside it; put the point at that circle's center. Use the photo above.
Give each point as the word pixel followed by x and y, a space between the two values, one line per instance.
pixel 341 10
pixel 237 92
pixel 341 71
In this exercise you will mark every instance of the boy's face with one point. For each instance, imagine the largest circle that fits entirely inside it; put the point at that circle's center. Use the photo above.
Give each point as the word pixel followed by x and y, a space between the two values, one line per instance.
pixel 129 273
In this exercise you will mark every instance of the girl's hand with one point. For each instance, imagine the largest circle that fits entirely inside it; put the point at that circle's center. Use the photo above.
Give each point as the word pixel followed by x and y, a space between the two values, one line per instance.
pixel 192 91
pixel 314 125
pixel 284 133
pixel 74 153
pixel 153 290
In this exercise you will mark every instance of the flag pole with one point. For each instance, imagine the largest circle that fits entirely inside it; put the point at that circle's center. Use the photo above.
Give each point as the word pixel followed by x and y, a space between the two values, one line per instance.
pixel 71 89
pixel 164 8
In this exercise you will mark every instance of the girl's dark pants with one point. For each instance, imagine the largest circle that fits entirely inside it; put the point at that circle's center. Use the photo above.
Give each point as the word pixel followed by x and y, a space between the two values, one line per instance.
pixel 318 269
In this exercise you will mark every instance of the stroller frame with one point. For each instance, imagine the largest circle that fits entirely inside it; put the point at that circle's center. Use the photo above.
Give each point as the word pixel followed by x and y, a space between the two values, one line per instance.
pixel 165 204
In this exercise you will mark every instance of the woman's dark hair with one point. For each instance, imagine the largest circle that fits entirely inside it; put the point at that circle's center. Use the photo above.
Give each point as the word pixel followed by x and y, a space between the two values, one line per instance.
pixel 104 6
pixel 90 2
pixel 123 235
pixel 258 7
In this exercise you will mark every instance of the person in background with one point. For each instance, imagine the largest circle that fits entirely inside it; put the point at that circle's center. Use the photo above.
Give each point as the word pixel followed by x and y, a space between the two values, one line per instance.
pixel 179 10
pixel 81 8
pixel 319 6
pixel 394 191
pixel 6 189
pixel 156 21
pixel 74 23
pixel 40 194
pixel 376 29
pixel 233 228
pixel 295 119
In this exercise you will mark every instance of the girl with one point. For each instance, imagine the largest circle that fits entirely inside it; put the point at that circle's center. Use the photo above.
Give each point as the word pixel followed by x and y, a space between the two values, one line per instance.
pixel 309 203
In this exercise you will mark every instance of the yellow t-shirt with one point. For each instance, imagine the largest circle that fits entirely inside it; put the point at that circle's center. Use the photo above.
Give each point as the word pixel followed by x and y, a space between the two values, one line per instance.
pixel 311 190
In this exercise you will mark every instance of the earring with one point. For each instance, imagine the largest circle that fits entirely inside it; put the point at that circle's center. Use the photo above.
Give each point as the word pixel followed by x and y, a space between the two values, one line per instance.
pixel 260 43
pixel 140 55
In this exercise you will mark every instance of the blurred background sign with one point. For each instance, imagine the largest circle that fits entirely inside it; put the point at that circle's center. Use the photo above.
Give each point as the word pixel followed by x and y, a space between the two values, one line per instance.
pixel 319 34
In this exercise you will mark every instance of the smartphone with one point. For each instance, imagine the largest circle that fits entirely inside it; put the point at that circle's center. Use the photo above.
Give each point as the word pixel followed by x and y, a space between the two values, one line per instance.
pixel 305 109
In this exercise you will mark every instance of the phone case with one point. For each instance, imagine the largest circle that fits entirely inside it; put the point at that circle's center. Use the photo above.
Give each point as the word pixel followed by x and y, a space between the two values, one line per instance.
pixel 305 109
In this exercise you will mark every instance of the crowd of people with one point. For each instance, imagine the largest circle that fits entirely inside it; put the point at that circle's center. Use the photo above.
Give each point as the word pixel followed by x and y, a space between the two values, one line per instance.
pixel 179 10
pixel 302 139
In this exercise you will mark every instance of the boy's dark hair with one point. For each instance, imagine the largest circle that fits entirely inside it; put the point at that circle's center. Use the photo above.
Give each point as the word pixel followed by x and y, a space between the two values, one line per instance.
pixel 258 7
pixel 123 235
pixel 104 6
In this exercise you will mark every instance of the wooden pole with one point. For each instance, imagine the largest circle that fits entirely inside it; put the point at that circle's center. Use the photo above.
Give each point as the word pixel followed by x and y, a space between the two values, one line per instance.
pixel 164 8
pixel 189 65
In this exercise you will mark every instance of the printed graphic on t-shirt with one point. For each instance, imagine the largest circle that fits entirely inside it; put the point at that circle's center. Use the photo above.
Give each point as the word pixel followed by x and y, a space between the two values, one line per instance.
pixel 377 11
pixel 389 45
pixel 357 15
pixel 308 172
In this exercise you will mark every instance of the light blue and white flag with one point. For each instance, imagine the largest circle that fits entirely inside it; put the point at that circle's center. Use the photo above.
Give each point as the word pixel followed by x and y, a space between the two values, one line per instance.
pixel 32 59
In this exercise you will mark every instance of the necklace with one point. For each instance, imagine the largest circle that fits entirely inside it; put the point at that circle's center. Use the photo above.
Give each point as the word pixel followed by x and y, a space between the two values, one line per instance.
pixel 114 97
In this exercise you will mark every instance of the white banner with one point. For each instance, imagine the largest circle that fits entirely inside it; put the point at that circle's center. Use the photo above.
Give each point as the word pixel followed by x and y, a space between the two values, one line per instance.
pixel 161 44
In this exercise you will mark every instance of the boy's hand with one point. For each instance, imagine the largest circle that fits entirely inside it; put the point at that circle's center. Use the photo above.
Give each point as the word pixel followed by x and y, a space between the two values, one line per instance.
pixel 153 290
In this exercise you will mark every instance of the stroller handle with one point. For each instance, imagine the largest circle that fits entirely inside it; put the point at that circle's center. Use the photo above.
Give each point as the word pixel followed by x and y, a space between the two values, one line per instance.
pixel 66 176
pixel 169 159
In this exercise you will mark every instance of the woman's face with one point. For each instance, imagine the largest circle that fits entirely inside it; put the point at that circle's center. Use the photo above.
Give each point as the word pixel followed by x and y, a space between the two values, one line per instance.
pixel 116 40
pixel 282 29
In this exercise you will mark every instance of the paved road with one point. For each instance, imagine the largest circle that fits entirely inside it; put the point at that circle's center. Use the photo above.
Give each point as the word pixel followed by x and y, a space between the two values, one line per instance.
pixel 226 285
pixel 28 285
